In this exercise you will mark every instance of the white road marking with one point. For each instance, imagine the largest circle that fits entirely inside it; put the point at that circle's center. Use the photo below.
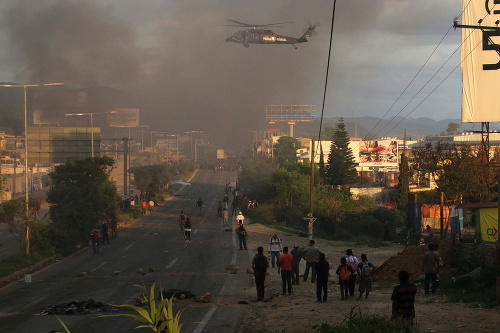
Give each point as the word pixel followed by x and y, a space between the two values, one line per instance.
pixel 196 231
pixel 128 247
pixel 104 263
pixel 171 263
pixel 229 277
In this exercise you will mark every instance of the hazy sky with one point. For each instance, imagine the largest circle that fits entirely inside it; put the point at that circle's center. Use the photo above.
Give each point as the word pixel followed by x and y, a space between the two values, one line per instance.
pixel 174 54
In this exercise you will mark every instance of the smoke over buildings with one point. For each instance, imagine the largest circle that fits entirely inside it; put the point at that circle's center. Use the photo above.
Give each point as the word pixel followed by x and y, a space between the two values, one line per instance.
pixel 171 59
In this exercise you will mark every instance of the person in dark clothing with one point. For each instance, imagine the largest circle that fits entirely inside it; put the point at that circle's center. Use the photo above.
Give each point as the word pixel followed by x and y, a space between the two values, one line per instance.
pixel 297 256
pixel 104 230
pixel 403 303
pixel 94 235
pixel 259 266
pixel 344 271
pixel 322 268
pixel 187 230
pixel 114 225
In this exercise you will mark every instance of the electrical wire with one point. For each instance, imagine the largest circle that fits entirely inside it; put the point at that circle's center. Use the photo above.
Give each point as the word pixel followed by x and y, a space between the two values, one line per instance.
pixel 327 71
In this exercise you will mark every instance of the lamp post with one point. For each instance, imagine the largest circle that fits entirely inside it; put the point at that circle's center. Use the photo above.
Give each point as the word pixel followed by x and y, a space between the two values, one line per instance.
pixel 26 213
pixel 91 114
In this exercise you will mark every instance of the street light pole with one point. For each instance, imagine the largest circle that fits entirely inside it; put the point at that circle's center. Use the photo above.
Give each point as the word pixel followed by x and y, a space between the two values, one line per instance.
pixel 26 212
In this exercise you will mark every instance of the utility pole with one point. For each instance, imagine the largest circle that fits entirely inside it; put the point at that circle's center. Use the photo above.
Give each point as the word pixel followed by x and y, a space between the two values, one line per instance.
pixel 441 213
pixel 125 169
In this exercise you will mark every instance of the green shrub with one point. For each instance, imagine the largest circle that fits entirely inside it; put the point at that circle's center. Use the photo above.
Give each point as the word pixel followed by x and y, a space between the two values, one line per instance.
pixel 359 323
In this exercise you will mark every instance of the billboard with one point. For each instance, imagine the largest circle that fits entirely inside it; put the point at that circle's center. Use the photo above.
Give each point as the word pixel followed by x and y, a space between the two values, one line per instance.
pixel 123 117
pixel 378 153
pixel 480 61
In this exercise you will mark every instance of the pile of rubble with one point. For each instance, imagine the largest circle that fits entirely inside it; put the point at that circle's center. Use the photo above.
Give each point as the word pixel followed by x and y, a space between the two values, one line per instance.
pixel 75 307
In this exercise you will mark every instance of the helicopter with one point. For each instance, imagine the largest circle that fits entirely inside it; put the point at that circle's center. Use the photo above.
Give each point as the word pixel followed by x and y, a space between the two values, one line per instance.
pixel 252 35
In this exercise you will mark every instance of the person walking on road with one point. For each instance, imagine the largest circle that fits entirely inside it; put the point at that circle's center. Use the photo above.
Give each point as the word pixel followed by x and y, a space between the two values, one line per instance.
pixel 199 203
pixel 259 266
pixel 144 205
pixel 182 220
pixel 94 235
pixel 242 234
pixel 225 217
pixel 151 206
pixel 311 254
pixel 430 267
pixel 403 303
pixel 187 230
pixel 274 249
pixel 105 237
pixel 297 257
pixel 285 264
pixel 365 272
pixel 322 271
pixel 353 262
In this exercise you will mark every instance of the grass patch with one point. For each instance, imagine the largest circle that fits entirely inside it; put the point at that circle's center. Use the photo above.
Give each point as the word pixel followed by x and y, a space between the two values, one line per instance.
pixel 468 290
pixel 17 262
pixel 356 322
pixel 288 229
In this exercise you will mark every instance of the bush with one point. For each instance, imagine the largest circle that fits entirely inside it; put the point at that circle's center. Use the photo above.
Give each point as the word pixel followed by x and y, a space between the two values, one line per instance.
pixel 357 322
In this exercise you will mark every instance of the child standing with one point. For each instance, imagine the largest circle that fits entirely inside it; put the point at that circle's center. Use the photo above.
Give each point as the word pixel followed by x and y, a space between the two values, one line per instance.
pixel 344 271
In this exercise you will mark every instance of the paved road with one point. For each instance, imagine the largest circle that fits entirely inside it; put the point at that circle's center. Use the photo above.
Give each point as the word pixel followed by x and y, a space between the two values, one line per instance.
pixel 154 240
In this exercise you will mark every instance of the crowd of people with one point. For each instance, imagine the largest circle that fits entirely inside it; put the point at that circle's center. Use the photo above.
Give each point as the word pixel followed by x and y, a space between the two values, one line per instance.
pixel 351 272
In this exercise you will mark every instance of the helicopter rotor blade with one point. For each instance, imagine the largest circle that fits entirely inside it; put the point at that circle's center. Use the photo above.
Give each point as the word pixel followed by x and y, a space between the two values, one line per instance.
pixel 240 23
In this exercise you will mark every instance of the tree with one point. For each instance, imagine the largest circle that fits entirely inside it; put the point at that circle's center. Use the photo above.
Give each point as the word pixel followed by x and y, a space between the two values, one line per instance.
pixel 12 213
pixel 341 167
pixel 404 182
pixel 286 149
pixel 321 167
pixel 452 128
pixel 148 178
pixel 81 195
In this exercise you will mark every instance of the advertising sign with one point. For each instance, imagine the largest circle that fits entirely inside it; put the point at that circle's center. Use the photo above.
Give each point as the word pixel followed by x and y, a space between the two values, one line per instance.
pixel 480 61
pixel 373 153
pixel 489 225
pixel 123 117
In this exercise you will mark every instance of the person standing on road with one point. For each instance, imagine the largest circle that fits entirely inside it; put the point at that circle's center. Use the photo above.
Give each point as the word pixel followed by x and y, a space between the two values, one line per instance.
pixel 297 256
pixel 365 272
pixel 403 303
pixel 353 262
pixel 322 271
pixel 240 219
pixel 430 267
pixel 94 235
pixel 199 203
pixel 114 226
pixel 285 264
pixel 187 230
pixel 242 234
pixel 144 206
pixel 104 230
pixel 274 249
pixel 311 254
pixel 219 208
pixel 259 266
pixel 151 206
pixel 225 217
pixel 182 220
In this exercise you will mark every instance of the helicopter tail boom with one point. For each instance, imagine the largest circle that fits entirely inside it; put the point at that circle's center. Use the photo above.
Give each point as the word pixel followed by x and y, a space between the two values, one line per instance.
pixel 305 37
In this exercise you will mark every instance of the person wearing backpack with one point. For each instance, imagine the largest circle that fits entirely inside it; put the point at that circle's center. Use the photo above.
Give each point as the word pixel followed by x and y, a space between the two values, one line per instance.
pixel 365 272
pixel 260 266
pixel 94 235
pixel 353 262
pixel 242 233
pixel 344 273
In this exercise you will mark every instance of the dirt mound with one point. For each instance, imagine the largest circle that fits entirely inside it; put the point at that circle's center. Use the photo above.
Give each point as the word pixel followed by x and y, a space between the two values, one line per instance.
pixel 410 259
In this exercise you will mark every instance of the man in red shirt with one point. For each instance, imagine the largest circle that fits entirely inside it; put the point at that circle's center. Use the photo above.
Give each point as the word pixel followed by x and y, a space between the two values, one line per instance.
pixel 285 264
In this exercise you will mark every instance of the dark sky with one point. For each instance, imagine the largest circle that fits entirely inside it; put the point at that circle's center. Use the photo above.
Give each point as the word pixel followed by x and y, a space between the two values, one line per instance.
pixel 173 54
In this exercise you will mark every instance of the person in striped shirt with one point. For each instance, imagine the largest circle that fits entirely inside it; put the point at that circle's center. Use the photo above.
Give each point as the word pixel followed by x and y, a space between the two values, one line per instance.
pixel 403 301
